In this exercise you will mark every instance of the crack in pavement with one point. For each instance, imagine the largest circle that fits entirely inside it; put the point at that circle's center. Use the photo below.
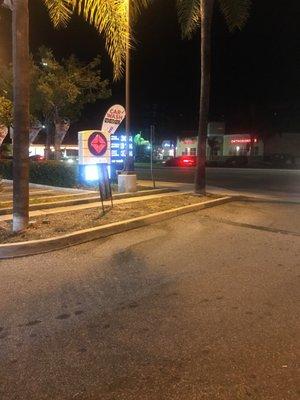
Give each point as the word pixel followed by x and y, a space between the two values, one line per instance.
pixel 250 226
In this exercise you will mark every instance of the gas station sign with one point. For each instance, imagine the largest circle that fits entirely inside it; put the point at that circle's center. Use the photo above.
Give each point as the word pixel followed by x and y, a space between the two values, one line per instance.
pixel 97 144
pixel 94 147
pixel 103 146
pixel 118 148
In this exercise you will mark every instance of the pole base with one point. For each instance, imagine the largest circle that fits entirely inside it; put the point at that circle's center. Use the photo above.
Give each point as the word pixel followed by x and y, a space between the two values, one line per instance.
pixel 127 183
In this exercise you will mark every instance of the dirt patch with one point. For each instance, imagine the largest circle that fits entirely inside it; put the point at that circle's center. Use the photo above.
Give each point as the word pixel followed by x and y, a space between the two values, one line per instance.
pixel 52 197
pixel 51 225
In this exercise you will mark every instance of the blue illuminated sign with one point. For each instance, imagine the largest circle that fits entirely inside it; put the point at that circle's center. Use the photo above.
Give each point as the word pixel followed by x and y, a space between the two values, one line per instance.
pixel 118 148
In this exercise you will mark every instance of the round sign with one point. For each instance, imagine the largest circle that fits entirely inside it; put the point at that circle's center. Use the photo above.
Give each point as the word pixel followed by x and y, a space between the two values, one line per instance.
pixel 97 144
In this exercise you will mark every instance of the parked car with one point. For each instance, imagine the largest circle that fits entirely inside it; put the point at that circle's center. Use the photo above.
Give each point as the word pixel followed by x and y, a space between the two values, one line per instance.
pixel 236 161
pixel 182 161
pixel 37 158
pixel 280 160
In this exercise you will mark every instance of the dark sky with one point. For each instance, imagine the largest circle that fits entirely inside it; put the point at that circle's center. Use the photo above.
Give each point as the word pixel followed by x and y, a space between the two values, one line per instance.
pixel 255 72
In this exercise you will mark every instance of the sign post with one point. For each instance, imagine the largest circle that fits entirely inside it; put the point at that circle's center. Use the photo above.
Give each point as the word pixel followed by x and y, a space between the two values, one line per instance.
pixel 104 185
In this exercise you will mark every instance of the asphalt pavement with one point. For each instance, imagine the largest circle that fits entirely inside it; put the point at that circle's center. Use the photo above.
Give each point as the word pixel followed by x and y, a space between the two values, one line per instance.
pixel 242 179
pixel 204 306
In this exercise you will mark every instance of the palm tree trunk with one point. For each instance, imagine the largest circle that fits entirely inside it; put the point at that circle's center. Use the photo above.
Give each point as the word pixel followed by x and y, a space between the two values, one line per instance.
pixel 20 29
pixel 49 134
pixel 206 10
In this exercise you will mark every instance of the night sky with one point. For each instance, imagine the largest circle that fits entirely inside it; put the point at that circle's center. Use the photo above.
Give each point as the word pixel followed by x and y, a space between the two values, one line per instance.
pixel 255 72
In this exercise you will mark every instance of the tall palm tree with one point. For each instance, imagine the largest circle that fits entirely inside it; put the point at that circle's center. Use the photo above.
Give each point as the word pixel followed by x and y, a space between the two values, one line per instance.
pixel 109 17
pixel 192 14
pixel 20 29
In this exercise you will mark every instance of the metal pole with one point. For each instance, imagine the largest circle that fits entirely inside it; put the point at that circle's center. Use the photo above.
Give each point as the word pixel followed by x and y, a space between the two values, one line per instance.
pixel 127 88
pixel 151 154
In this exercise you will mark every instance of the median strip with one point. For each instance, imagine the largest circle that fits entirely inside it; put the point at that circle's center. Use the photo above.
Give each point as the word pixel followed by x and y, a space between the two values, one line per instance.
pixel 54 232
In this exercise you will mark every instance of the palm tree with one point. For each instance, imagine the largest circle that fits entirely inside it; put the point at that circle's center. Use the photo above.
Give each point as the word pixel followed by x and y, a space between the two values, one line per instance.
pixel 109 17
pixel 20 28
pixel 192 14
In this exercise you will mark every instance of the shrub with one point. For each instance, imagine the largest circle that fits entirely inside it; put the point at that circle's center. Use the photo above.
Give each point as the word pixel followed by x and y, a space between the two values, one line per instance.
pixel 6 169
pixel 53 173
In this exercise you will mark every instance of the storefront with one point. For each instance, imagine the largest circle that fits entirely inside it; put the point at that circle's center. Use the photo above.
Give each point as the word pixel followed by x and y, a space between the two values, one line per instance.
pixel 242 145
pixel 220 146
pixel 186 146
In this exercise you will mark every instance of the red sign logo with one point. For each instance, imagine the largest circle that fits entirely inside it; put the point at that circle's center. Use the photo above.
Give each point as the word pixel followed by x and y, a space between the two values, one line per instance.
pixel 97 144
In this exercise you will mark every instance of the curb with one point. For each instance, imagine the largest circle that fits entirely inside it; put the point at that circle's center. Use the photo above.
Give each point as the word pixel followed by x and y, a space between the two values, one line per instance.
pixel 88 200
pixel 22 249
pixel 265 199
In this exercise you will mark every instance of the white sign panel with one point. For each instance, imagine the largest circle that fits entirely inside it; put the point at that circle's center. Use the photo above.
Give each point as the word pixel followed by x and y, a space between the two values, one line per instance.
pixel 94 147
pixel 113 119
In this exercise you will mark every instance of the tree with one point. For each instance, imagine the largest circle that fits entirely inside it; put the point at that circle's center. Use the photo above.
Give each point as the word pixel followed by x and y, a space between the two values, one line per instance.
pixel 109 17
pixel 20 30
pixel 6 88
pixel 6 110
pixel 61 91
pixel 192 14
pixel 5 117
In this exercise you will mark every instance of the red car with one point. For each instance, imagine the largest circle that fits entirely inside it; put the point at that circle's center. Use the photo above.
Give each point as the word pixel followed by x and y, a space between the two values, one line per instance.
pixel 182 161
pixel 37 158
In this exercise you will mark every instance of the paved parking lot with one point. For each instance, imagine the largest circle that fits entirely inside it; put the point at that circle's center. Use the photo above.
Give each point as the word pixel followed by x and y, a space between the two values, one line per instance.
pixel 203 306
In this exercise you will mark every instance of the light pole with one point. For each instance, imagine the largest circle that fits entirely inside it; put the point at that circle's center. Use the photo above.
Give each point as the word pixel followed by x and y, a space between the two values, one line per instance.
pixel 127 180
pixel 127 88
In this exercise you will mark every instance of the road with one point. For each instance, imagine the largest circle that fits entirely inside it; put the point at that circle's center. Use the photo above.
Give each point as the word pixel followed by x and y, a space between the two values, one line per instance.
pixel 258 180
pixel 199 307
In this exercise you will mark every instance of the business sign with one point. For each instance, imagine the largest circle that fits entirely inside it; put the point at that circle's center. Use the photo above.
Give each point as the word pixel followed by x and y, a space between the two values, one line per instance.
pixel 243 141
pixel 3 133
pixel 94 147
pixel 113 119
pixel 97 144
pixel 118 148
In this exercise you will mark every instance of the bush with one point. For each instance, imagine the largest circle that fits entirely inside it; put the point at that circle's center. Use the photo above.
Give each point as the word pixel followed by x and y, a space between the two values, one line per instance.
pixel 53 173
pixel 6 169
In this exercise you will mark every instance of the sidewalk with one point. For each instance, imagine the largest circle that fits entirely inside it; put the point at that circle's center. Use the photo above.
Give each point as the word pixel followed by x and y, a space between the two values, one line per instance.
pixel 267 195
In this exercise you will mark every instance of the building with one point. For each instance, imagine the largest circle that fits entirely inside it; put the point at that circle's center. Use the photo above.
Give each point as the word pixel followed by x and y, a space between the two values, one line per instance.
pixel 285 143
pixel 220 145
pixel 242 145
pixel 68 150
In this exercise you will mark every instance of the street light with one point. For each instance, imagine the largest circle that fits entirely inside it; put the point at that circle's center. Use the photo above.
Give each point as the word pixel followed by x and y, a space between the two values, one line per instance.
pixel 127 86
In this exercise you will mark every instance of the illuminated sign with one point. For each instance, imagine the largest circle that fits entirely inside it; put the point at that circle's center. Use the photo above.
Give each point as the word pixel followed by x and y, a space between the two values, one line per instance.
pixel 97 144
pixel 118 148
pixel 113 118
pixel 241 141
pixel 189 141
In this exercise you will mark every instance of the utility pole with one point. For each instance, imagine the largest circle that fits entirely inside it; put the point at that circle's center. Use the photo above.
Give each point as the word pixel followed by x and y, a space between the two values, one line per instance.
pixel 151 153
pixel 127 88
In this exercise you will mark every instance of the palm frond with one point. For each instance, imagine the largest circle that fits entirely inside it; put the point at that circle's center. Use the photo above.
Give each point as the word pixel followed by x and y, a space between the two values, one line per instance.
pixel 60 11
pixel 189 16
pixel 137 6
pixel 236 12
pixel 110 18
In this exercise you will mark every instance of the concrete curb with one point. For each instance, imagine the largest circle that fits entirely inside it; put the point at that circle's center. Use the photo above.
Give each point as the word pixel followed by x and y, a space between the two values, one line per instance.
pixel 21 249
pixel 87 200
pixel 265 199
